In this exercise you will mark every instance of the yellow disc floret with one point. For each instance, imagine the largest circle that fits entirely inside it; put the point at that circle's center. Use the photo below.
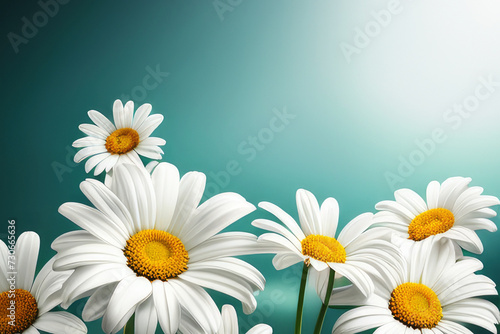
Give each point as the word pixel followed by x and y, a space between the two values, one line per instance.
pixel 430 222
pixel 18 311
pixel 156 254
pixel 416 306
pixel 323 248
pixel 122 141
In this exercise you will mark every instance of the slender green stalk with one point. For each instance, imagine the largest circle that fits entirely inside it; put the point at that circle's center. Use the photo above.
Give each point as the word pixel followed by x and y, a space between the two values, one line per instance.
pixel 129 327
pixel 324 307
pixel 300 303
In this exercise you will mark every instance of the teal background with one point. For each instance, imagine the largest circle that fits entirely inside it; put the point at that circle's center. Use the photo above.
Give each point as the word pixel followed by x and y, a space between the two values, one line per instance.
pixel 353 121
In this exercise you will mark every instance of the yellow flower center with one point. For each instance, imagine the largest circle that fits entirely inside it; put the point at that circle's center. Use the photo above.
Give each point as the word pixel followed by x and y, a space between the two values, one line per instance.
pixel 156 254
pixel 416 306
pixel 323 248
pixel 430 222
pixel 122 141
pixel 18 311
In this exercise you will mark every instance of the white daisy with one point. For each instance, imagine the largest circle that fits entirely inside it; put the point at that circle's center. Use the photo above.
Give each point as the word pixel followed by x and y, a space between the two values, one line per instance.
pixel 433 295
pixel 24 303
pixel 353 254
pixel 230 323
pixel 147 247
pixel 108 144
pixel 453 210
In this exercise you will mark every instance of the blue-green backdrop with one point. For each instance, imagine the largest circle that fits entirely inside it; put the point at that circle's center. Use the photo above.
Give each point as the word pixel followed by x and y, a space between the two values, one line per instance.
pixel 378 95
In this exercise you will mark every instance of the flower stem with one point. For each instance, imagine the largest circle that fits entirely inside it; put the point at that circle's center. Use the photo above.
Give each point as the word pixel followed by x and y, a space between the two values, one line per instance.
pixel 129 327
pixel 300 303
pixel 324 307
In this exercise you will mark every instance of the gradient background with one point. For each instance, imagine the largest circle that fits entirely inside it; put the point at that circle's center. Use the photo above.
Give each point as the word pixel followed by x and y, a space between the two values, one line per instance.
pixel 354 120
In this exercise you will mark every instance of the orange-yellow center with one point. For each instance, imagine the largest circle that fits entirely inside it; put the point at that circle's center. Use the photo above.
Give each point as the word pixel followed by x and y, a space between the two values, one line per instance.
pixel 430 222
pixel 416 306
pixel 18 311
pixel 122 141
pixel 156 254
pixel 323 248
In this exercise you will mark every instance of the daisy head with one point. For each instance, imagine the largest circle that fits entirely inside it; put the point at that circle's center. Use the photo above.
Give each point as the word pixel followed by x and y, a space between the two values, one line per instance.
pixel 434 294
pixel 453 210
pixel 352 253
pixel 26 301
pixel 230 323
pixel 108 144
pixel 147 247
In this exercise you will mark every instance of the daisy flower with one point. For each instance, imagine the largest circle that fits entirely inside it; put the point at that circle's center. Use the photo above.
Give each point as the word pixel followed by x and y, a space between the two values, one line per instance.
pixel 108 144
pixel 24 303
pixel 148 247
pixel 230 323
pixel 354 253
pixel 453 210
pixel 432 295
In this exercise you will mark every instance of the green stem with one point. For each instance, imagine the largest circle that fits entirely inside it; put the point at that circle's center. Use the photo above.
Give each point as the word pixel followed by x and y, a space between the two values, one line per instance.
pixel 129 327
pixel 300 304
pixel 324 307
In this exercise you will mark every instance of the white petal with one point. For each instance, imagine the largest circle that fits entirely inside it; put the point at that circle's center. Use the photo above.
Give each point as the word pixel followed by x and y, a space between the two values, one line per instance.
pixel 134 188
pixel 130 292
pixel 88 141
pixel 128 113
pixel 354 228
pixel 309 214
pixel 474 311
pixel 149 125
pixel 47 287
pixel 396 208
pixel 225 244
pixel 141 114
pixel 433 195
pixel 72 239
pixel 330 217
pixel 284 217
pixel 213 216
pixel 274 227
pixel 88 151
pixel 86 255
pixel 225 283
pixel 93 131
pixel 191 188
pixel 146 319
pixel 452 327
pixel 118 114
pixel 165 180
pixel 151 152
pixel 285 260
pixel 362 318
pixel 109 204
pixel 167 306
pixel 466 238
pixel 87 278
pixel 198 303
pixel 229 320
pixel 94 222
pixel 260 329
pixel 95 160
pixel 31 330
pixel 98 303
pixel 356 275
pixel 60 322
pixel 27 247
pixel 101 121
pixel 411 200
pixel 450 190
pixel 153 141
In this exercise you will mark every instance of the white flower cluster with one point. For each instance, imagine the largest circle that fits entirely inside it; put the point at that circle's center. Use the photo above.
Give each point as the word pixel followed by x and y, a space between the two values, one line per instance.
pixel 147 250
